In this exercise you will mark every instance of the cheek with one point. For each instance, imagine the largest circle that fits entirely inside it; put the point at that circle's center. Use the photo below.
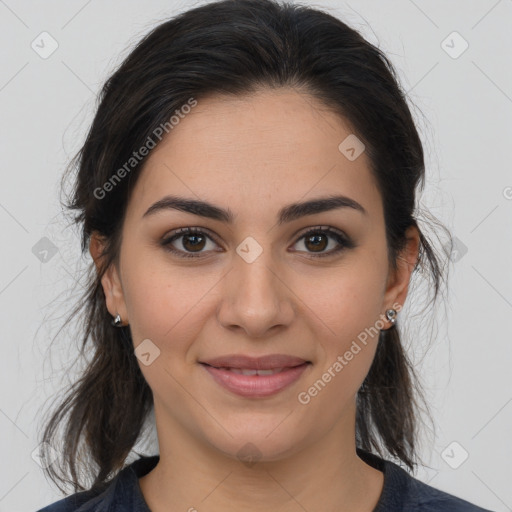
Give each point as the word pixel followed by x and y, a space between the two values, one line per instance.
pixel 345 354
pixel 165 303
pixel 166 309
pixel 346 301
pixel 345 312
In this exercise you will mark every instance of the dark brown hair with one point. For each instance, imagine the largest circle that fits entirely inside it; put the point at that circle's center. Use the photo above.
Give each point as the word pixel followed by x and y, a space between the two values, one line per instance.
pixel 232 47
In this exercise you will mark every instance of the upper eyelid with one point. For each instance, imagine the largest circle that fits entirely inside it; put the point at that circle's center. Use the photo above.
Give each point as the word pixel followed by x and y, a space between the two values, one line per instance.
pixel 191 230
pixel 179 232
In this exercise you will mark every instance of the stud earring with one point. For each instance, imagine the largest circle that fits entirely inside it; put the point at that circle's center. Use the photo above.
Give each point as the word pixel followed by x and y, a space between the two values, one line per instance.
pixel 117 321
pixel 391 315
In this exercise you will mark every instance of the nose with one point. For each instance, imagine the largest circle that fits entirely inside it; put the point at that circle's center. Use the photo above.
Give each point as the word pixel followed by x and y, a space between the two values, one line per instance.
pixel 256 298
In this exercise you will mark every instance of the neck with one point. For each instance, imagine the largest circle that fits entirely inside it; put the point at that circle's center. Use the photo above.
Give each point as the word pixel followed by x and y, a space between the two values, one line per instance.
pixel 327 474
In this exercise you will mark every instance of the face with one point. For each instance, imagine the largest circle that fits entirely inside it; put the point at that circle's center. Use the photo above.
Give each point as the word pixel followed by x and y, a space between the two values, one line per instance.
pixel 258 283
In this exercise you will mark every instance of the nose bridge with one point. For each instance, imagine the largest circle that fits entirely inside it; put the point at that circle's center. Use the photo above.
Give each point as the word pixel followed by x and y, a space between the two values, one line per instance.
pixel 255 297
pixel 256 282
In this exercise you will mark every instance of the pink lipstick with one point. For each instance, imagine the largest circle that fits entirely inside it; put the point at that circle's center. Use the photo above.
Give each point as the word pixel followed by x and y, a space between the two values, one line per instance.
pixel 255 377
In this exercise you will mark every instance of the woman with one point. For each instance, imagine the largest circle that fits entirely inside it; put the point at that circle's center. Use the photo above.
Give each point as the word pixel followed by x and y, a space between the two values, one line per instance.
pixel 247 194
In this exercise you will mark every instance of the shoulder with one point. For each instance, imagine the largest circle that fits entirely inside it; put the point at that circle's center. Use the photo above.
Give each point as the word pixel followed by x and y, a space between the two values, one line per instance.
pixel 120 494
pixel 403 492
pixel 84 501
pixel 427 498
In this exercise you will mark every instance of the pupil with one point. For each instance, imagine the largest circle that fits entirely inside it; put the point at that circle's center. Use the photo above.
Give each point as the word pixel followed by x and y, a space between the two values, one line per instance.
pixel 194 244
pixel 315 244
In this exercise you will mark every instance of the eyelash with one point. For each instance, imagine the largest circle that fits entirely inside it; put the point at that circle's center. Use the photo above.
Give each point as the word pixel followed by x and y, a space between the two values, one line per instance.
pixel 343 240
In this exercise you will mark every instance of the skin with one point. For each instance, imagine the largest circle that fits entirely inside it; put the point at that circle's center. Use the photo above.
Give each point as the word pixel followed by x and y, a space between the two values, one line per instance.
pixel 254 155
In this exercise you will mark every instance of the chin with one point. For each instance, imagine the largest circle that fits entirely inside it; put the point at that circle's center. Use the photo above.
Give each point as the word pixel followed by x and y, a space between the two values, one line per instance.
pixel 264 446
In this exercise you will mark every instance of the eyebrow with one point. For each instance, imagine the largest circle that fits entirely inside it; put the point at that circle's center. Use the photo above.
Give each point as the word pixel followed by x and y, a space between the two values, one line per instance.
pixel 288 213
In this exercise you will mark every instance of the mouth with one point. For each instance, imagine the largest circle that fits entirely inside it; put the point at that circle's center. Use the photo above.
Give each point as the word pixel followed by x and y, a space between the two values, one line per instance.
pixel 251 371
pixel 245 362
pixel 256 383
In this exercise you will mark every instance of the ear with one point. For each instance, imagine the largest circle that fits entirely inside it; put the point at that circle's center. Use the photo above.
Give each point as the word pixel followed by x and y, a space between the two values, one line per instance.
pixel 398 279
pixel 110 281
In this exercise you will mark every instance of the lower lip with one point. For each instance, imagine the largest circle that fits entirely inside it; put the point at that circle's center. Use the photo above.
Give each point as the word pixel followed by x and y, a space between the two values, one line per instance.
pixel 256 386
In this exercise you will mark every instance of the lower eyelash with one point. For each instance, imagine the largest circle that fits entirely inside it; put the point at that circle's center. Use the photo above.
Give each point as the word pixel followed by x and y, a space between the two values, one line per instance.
pixel 166 243
pixel 345 242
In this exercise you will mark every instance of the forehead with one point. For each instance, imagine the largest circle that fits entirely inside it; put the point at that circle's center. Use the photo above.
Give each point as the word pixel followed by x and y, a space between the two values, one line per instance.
pixel 256 151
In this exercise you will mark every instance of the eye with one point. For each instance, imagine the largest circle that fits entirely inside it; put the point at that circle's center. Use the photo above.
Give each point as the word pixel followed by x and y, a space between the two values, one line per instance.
pixel 317 240
pixel 193 241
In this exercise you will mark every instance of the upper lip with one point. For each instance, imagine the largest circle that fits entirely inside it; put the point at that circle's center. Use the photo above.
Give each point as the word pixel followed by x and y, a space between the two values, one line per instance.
pixel 267 362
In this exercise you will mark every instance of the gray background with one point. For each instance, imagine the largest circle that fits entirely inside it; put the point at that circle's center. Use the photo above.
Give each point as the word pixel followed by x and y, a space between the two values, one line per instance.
pixel 466 98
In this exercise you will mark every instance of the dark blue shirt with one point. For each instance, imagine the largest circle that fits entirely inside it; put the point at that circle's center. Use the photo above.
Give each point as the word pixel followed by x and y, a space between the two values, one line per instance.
pixel 401 492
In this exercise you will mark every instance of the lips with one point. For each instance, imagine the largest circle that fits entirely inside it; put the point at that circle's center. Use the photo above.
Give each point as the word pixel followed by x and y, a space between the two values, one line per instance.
pixel 264 365
pixel 241 371
pixel 255 377
pixel 256 386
